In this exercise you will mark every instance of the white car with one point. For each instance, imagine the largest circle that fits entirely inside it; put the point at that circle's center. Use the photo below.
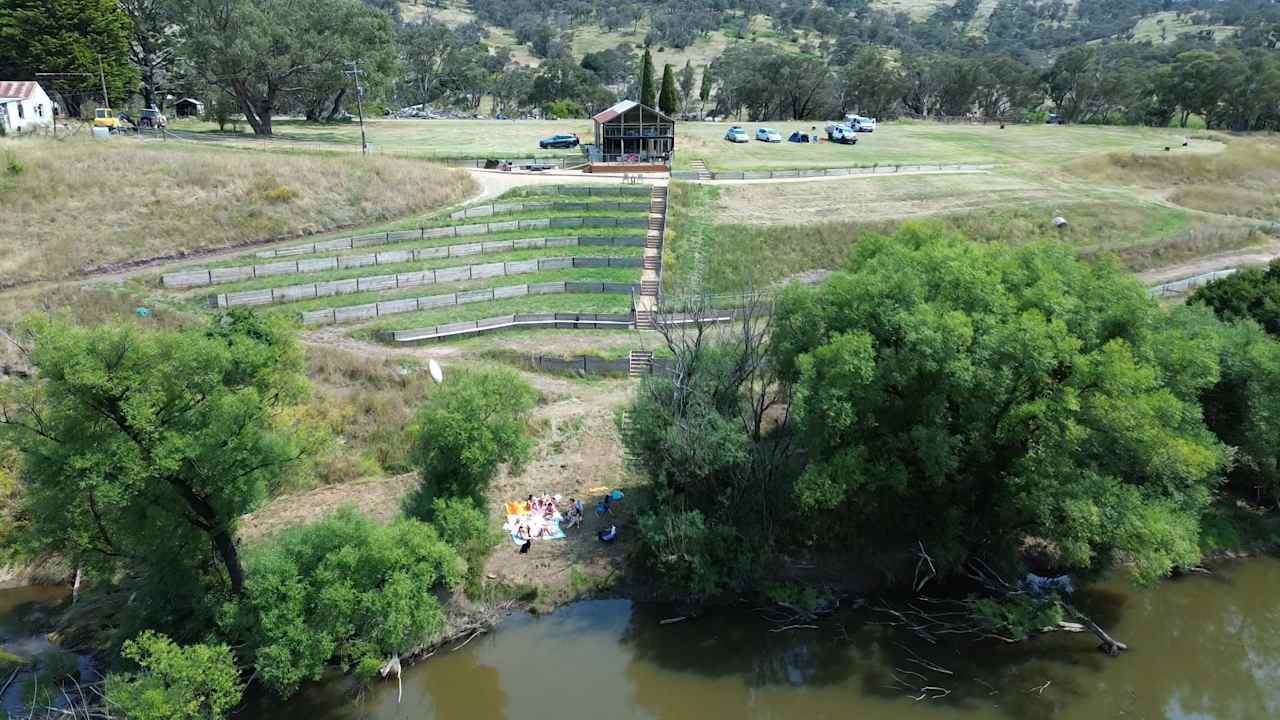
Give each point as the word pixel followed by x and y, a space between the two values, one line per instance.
pixel 860 123
pixel 736 134
pixel 768 135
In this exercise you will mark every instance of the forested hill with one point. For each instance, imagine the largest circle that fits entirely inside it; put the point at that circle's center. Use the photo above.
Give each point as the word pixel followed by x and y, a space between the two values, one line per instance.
pixel 1031 30
pixel 1098 61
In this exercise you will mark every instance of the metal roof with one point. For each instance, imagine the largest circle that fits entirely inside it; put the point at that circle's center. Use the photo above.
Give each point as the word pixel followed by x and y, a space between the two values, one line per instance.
pixel 618 108
pixel 17 89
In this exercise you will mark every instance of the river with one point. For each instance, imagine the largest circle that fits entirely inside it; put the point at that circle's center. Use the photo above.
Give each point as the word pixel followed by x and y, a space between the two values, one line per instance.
pixel 1203 648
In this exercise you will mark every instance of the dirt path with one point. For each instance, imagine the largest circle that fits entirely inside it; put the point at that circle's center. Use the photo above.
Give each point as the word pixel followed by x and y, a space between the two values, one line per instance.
pixel 579 455
pixel 1257 255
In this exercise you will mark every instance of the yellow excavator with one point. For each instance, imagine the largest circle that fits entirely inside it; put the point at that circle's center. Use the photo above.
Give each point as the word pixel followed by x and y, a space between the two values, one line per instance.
pixel 107 118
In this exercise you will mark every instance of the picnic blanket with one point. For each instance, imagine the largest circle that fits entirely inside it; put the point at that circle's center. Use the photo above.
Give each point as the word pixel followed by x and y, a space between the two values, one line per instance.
pixel 518 514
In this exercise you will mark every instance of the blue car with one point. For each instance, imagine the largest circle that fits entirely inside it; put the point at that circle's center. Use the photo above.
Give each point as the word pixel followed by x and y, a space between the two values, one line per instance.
pixel 736 134
pixel 563 141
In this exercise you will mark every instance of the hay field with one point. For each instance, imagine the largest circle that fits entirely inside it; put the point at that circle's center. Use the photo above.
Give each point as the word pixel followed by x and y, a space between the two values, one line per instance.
pixel 76 204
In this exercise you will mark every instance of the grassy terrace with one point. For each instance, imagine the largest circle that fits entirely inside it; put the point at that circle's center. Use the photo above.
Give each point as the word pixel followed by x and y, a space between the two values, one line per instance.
pixel 372 270
pixel 568 303
pixel 611 275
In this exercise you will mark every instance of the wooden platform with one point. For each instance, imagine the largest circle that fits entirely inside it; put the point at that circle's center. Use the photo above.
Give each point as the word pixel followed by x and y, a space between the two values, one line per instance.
pixel 622 168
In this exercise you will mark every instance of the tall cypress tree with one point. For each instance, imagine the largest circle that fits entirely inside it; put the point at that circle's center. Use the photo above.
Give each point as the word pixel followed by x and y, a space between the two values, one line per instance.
pixel 668 100
pixel 648 94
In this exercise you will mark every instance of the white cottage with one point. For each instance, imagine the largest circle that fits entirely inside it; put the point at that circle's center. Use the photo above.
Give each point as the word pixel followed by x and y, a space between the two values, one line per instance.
pixel 24 106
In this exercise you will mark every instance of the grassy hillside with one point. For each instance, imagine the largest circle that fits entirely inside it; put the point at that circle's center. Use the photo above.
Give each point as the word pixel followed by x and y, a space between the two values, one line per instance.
pixel 84 204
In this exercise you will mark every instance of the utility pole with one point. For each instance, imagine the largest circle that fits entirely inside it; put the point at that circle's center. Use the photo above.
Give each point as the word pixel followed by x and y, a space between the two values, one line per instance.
pixel 356 72
pixel 106 101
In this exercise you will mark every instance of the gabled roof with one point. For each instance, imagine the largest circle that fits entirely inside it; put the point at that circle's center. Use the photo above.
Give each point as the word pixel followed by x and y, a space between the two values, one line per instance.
pixel 17 89
pixel 617 109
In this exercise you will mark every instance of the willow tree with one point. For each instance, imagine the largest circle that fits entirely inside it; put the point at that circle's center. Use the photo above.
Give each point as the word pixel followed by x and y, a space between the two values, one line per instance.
pixel 982 400
pixel 142 447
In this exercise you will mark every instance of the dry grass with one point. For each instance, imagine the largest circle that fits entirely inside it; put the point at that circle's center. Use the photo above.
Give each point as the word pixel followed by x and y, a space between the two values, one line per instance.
pixel 359 409
pixel 80 204
pixel 1241 180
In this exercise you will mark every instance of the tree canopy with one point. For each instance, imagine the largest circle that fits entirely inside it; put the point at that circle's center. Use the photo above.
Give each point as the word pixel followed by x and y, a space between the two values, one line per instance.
pixel 343 588
pixel 263 51
pixel 974 398
pixel 1251 293
pixel 196 682
pixel 87 37
pixel 142 447
pixel 475 421
pixel 648 92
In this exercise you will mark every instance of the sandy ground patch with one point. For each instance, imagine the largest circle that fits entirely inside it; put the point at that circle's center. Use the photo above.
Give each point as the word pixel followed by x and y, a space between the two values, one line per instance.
pixel 580 456
pixel 872 198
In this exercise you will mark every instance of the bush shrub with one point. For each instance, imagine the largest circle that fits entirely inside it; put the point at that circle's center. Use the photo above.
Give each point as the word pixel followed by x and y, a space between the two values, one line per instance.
pixel 477 420
pixel 343 589
pixel 196 682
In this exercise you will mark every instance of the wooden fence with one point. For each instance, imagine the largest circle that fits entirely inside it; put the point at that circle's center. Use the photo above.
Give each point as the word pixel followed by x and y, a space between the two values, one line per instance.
pixel 501 208
pixel 568 321
pixel 369 311
pixel 418 278
pixel 200 278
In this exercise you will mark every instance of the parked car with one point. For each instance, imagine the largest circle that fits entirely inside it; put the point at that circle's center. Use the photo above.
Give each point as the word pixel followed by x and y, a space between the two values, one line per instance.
pixel 1055 119
pixel 860 123
pixel 152 118
pixel 768 135
pixel 736 134
pixel 563 141
pixel 841 133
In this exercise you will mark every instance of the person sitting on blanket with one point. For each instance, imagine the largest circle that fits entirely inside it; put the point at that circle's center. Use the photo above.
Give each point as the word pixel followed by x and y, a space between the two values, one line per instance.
pixel 522 532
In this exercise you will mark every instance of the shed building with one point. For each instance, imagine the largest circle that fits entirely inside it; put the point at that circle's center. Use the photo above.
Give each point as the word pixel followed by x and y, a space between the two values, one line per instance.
pixel 188 107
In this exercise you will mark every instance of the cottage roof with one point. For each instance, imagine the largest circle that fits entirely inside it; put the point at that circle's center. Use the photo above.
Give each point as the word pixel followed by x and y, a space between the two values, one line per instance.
pixel 17 89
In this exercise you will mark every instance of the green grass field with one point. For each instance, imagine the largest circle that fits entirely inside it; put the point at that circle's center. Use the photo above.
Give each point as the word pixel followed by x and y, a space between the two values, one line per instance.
pixel 901 142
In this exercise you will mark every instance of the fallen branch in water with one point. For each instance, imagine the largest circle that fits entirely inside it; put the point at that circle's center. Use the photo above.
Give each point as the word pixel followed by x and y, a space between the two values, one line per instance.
pixel 671 620
pixel 793 627
pixel 1039 689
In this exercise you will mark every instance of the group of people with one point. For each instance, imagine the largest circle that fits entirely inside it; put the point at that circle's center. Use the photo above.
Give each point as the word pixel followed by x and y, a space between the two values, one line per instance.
pixel 539 516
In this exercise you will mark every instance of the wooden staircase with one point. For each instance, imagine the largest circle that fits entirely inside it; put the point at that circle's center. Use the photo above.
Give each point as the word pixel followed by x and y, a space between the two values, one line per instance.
pixel 649 287
pixel 700 167
pixel 640 362
pixel 644 319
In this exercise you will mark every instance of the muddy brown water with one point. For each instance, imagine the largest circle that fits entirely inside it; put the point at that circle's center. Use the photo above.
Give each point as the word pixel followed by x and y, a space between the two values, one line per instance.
pixel 1203 648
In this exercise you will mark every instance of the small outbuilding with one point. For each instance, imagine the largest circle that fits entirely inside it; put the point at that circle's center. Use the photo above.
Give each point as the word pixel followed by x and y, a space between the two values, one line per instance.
pixel 631 137
pixel 188 107
pixel 24 106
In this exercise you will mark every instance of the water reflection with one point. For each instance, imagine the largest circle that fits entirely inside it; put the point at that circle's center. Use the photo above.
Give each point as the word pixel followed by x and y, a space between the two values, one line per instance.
pixel 1202 648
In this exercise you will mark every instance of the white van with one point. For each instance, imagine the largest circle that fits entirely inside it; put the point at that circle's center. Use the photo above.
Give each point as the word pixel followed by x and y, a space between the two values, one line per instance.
pixel 860 123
